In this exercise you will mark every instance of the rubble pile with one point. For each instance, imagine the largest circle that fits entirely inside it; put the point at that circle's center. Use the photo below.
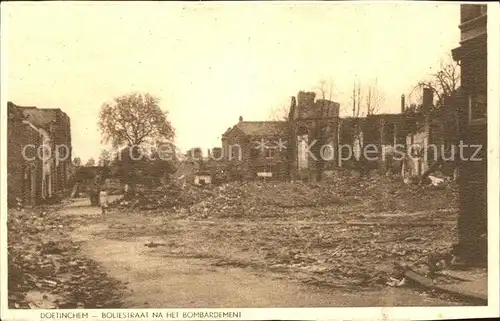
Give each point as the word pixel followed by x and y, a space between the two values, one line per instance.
pixel 390 191
pixel 356 255
pixel 230 197
pixel 163 197
pixel 46 270
pixel 358 226
pixel 277 198
pixel 258 199
pixel 354 251
pixel 343 230
pixel 293 200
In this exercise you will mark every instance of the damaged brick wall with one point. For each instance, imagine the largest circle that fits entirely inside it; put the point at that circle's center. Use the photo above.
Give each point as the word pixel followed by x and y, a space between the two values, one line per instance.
pixel 24 175
pixel 236 154
pixel 61 133
pixel 313 126
pixel 57 124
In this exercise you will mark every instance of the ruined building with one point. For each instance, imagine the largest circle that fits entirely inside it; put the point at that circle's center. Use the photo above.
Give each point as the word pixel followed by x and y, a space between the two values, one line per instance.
pixel 315 139
pixel 280 149
pixel 39 153
pixel 418 138
pixel 57 124
pixel 313 126
pixel 24 172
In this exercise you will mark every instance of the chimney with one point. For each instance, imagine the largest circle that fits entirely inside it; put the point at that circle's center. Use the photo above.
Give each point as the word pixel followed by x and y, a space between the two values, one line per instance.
pixel 293 106
pixel 428 97
pixel 241 118
pixel 403 104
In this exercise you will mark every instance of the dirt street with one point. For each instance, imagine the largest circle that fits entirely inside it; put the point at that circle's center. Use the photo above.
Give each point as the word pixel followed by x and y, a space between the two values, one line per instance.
pixel 213 264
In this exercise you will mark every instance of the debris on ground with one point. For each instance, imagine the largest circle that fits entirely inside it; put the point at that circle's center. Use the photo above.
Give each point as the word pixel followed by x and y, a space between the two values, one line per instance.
pixel 163 197
pixel 46 269
pixel 343 231
pixel 279 200
pixel 396 282
pixel 368 223
pixel 335 251
pixel 257 199
pixel 436 181
pixel 153 244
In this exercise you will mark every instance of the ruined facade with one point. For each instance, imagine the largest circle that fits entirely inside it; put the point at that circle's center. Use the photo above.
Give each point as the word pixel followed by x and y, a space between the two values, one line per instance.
pixel 418 137
pixel 436 129
pixel 38 167
pixel 313 126
pixel 373 140
pixel 472 123
pixel 284 149
pixel 57 124
pixel 24 174
pixel 316 139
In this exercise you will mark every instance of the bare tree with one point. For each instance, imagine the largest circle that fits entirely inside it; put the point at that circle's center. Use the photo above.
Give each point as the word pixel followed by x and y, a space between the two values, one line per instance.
pixel 365 99
pixel 356 99
pixel 443 83
pixel 325 89
pixel 279 113
pixel 373 98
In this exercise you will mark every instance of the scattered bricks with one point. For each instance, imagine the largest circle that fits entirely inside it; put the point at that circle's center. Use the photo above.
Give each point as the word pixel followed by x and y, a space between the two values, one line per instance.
pixel 42 260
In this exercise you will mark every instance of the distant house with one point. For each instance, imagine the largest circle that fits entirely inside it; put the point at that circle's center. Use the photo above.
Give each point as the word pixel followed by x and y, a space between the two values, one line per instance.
pixel 37 166
pixel 252 147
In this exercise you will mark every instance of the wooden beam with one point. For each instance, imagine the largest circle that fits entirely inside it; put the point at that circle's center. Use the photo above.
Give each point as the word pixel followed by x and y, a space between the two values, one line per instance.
pixel 461 292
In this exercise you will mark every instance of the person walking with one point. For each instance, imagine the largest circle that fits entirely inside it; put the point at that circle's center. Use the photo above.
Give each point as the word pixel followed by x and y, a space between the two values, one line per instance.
pixel 104 196
pixel 94 191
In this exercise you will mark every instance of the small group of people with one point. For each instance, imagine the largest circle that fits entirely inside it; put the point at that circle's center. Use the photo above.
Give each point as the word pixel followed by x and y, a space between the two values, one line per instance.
pixel 99 193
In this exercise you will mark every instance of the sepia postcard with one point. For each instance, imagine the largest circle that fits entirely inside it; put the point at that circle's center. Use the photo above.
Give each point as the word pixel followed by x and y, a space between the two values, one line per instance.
pixel 249 160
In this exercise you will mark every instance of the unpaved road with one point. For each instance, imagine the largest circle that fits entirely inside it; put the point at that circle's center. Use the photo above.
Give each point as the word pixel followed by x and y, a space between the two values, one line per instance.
pixel 179 273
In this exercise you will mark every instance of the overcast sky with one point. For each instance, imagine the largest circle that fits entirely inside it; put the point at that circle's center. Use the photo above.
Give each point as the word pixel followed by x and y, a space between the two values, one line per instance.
pixel 209 63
